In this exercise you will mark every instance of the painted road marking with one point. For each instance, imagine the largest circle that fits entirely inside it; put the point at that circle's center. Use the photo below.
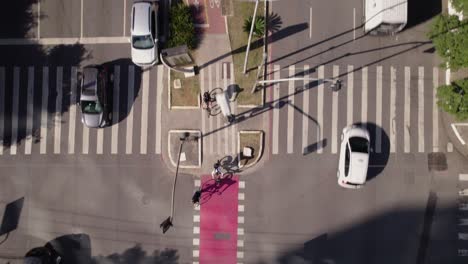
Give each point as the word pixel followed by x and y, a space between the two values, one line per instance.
pixel 29 112
pixel 196 218
pixel 321 76
pixel 276 109
pixel 226 129
pixel 203 112
pixel 196 230
pixel 334 136
pixel 130 99
pixel 310 22
pixel 218 117
pixel 290 135
pixel 354 23
pixel 85 147
pixel 2 107
pixel 378 112
pixel 58 110
pixel 364 95
pixel 160 89
pixel 100 141
pixel 15 113
pixel 463 177
pixel 240 208
pixel 81 20
pixel 234 126
pixel 421 109
pixel 45 96
pixel 305 108
pixel 39 19
pixel 144 112
pixel 350 92
pixel 435 110
pixel 115 111
pixel 72 110
pixel 124 17
pixel 240 219
pixel 211 120
pixel 392 109
pixel 407 110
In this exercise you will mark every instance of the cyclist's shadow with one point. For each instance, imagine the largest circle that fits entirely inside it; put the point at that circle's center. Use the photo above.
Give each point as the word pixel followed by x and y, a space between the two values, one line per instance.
pixel 211 187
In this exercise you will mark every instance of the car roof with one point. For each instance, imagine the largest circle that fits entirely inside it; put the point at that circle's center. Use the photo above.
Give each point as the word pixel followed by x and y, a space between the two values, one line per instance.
pixel 359 163
pixel 89 88
pixel 141 18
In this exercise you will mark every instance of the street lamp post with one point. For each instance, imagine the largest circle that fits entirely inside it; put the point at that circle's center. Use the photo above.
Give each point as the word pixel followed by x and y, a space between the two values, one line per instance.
pixel 166 224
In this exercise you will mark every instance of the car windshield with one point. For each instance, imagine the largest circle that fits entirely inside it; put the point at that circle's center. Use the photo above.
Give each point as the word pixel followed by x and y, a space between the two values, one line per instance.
pixel 142 42
pixel 91 107
pixel 359 144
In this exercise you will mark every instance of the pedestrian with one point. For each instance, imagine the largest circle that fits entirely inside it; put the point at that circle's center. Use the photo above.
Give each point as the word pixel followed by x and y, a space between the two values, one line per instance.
pixel 196 198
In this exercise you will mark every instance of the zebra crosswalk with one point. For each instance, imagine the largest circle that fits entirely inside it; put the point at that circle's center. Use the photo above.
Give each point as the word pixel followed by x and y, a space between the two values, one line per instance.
pixel 39 112
pixel 398 102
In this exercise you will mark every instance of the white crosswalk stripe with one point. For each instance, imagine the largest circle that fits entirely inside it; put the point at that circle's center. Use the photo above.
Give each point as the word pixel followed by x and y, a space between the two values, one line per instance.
pixel 160 88
pixel 2 108
pixel 30 105
pixel 387 86
pixel 131 88
pixel 15 113
pixel 144 112
pixel 58 110
pixel 72 110
pixel 45 97
pixel 115 111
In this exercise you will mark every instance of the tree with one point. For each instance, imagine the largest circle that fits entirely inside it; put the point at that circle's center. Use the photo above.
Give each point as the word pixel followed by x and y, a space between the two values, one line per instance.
pixel 450 38
pixel 181 27
pixel 453 98
pixel 259 26
pixel 461 6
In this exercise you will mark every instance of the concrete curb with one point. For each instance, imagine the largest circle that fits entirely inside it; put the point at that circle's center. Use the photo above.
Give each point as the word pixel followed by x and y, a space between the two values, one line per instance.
pixel 260 151
pixel 174 163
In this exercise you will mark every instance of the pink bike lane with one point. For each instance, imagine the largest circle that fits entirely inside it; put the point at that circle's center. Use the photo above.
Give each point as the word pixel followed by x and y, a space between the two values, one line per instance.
pixel 218 220
pixel 208 16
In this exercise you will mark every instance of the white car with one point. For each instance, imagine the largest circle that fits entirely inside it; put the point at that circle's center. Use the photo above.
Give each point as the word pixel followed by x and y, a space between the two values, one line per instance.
pixel 354 157
pixel 144 31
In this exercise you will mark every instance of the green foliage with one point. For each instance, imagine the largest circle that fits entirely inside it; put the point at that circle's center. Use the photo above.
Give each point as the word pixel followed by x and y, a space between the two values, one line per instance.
pixel 450 38
pixel 461 6
pixel 453 99
pixel 181 27
pixel 259 26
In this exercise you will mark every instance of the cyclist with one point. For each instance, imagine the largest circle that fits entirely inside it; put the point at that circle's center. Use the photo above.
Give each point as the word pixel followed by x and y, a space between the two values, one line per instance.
pixel 217 174
pixel 206 100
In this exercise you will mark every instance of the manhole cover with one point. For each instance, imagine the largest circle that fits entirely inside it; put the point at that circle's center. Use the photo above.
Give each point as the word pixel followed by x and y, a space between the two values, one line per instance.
pixel 222 236
pixel 437 161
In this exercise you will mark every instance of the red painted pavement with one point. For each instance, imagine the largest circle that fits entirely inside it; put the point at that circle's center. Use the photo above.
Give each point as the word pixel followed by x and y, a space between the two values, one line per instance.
pixel 208 13
pixel 218 221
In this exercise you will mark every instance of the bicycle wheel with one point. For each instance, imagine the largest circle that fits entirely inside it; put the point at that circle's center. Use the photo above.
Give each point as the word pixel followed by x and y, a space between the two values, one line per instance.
pixel 214 92
pixel 214 109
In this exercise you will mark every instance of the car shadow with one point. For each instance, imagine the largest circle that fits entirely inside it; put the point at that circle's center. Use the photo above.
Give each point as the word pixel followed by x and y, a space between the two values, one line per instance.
pixel 380 149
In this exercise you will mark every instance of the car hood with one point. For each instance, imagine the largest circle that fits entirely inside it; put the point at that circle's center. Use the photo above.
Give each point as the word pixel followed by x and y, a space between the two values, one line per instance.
pixel 358 170
pixel 144 57
pixel 92 120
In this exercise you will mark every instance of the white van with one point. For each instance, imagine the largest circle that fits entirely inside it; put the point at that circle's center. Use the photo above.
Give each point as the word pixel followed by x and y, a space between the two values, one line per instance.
pixel 385 17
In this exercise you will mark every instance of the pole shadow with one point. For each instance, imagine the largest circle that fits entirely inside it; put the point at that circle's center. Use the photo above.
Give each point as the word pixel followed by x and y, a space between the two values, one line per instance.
pixel 11 217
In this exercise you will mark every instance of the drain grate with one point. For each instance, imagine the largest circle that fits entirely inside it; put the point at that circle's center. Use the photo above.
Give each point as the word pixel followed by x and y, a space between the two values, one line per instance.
pixel 437 161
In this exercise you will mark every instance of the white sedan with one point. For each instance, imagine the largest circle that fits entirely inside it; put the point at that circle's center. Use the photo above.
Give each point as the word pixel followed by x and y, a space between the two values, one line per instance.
pixel 354 157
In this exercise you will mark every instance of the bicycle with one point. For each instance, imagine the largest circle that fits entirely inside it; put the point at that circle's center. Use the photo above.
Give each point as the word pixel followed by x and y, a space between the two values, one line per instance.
pixel 217 174
pixel 209 102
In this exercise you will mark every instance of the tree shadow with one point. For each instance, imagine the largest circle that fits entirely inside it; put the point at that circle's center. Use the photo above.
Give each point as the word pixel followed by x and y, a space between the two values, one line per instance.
pixel 29 72
pixel 274 22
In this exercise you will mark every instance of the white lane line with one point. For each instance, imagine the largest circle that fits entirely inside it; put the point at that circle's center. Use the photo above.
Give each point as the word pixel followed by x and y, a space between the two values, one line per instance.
pixel 321 76
pixel 15 113
pixel 305 109
pixel 275 136
pixel 72 110
pixel 45 97
pixel 100 141
pixel 218 117
pixel 144 112
pixel 364 95
pixel 203 112
pixel 81 21
pixel 350 92
pixel 58 110
pixel 63 41
pixel 378 112
pixel 354 23
pixel 233 127
pixel 85 147
pixel 211 120
pixel 421 109
pixel 115 111
pixel 290 135
pixel 226 130
pixel 310 22
pixel 124 16
pixel 38 19
pixel 435 110
pixel 334 136
pixel 2 107
pixel 131 89
pixel 159 89
pixel 463 177
pixel 407 110
pixel 29 111
pixel 392 109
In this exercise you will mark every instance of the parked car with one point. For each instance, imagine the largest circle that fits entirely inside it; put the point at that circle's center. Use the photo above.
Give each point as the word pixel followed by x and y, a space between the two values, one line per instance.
pixel 354 157
pixel 94 100
pixel 144 33
pixel 42 255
